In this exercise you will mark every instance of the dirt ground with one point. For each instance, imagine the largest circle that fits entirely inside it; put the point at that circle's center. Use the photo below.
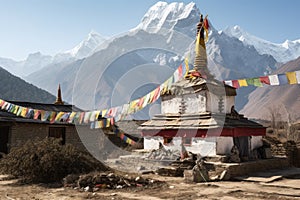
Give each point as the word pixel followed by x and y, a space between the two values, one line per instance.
pixel 174 188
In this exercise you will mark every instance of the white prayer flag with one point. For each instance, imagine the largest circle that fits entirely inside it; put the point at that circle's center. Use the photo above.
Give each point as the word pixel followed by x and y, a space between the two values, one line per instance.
pixel 274 80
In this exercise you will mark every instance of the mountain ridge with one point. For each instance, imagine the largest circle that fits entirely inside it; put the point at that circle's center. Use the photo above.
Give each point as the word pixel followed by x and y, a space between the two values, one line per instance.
pixel 16 89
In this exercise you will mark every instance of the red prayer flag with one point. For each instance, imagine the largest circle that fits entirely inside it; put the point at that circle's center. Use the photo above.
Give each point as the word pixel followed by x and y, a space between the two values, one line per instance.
pixel 205 23
pixel 235 84
pixel 180 71
pixel 265 80
pixel 196 74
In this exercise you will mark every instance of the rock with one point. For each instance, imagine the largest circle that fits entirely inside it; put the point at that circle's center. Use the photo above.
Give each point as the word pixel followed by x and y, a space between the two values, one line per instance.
pixel 139 168
pixel 200 173
pixel 87 189
pixel 119 187
pixel 85 180
pixel 127 183
pixel 225 176
pixel 234 155
pixel 139 180
pixel 70 180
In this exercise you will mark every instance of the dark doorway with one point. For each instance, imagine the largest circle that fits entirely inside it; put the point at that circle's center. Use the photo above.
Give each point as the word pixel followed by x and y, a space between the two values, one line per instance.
pixel 242 144
pixel 58 132
pixel 4 133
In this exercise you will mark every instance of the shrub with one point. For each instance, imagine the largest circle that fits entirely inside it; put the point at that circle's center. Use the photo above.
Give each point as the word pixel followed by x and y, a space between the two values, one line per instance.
pixel 47 161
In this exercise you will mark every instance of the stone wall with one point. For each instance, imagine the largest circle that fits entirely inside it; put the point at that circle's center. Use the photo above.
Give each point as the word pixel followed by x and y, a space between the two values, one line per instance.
pixel 289 149
pixel 20 133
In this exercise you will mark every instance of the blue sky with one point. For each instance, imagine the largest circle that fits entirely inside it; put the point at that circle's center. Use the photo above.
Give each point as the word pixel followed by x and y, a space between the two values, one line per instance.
pixel 52 26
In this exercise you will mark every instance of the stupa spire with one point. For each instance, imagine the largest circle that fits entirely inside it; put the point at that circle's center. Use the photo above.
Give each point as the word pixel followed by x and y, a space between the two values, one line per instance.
pixel 58 98
pixel 200 62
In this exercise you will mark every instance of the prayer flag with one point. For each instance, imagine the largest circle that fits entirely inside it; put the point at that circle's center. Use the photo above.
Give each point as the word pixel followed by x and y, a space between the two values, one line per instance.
pixel 250 81
pixel 92 125
pixel 19 111
pixel 186 61
pixel 265 80
pixel 65 117
pixel 30 113
pixel 180 71
pixel 24 112
pixel 242 82
pixel 282 79
pixel 93 116
pixel 235 84
pixel 291 76
pixel 37 113
pixel 274 80
pixel 156 94
pixel 16 110
pixel 298 76
pixel 1 102
pixel 71 117
pixel 229 82
pixel 81 118
pixel 87 116
pixel 256 82
pixel 52 117
pixel 58 116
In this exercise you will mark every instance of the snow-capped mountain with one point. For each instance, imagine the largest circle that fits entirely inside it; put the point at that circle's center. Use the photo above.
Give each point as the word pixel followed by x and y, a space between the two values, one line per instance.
pixel 84 48
pixel 37 61
pixel 33 62
pixel 174 16
pixel 165 35
pixel 288 50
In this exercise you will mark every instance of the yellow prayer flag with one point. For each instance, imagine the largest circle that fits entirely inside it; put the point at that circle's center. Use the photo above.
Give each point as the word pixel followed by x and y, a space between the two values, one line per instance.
pixel 291 76
pixel 186 61
pixel 242 82
pixel 104 112
pixel 24 112
pixel 58 116
pixel 16 110
pixel 71 117
pixel 97 113
pixel 108 123
pixel 197 45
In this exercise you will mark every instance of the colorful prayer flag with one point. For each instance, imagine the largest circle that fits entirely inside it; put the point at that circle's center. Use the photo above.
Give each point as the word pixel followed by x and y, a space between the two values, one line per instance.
pixel 298 76
pixel 274 79
pixel 235 84
pixel 242 82
pixel 229 82
pixel 282 79
pixel 291 76
pixel 265 80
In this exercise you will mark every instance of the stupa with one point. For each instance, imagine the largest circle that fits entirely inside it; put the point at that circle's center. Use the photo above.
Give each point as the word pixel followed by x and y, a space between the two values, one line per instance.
pixel 198 113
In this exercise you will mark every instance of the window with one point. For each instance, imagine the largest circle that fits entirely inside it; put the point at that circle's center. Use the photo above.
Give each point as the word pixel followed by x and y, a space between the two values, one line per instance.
pixel 58 132
pixel 4 138
pixel 167 140
pixel 187 141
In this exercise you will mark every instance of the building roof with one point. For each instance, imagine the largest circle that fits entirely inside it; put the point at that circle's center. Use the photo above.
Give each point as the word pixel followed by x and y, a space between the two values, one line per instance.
pixel 10 117
pixel 202 121
pixel 190 84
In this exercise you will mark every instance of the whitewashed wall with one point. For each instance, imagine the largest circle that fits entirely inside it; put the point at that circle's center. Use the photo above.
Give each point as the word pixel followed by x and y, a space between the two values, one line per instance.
pixel 170 105
pixel 213 103
pixel 195 103
pixel 202 146
pixel 256 142
pixel 224 145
